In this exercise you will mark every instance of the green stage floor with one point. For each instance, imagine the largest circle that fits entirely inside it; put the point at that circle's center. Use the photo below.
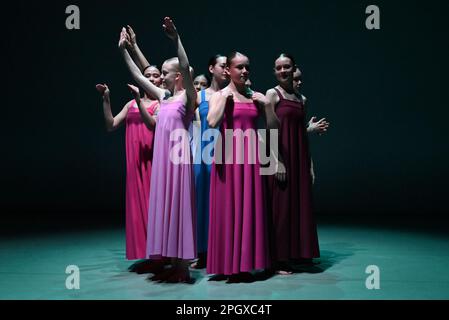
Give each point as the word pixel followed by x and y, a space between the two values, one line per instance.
pixel 412 265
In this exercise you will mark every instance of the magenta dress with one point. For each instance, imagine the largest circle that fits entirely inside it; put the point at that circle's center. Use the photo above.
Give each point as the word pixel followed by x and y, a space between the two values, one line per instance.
pixel 172 214
pixel 294 228
pixel 139 153
pixel 238 239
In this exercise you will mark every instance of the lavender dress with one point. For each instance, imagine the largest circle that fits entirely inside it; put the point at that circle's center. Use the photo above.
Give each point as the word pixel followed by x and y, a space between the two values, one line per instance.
pixel 172 214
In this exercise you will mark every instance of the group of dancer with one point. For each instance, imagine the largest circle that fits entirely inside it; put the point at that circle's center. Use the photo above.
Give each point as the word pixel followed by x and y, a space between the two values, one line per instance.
pixel 225 217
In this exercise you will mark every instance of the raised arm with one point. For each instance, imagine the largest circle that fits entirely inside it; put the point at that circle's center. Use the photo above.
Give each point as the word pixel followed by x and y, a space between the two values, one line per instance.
pixel 184 66
pixel 112 123
pixel 137 75
pixel 147 118
pixel 135 52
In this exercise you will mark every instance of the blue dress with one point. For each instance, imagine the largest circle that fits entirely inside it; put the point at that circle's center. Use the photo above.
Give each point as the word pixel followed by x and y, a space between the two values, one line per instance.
pixel 202 169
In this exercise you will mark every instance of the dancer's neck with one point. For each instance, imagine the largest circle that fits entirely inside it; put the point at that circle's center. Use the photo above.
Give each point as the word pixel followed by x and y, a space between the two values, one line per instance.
pixel 287 88
pixel 215 86
pixel 238 88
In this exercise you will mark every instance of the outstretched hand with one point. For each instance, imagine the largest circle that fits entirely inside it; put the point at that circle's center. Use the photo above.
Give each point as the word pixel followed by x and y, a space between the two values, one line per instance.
pixel 131 35
pixel 103 89
pixel 124 41
pixel 135 92
pixel 319 127
pixel 170 29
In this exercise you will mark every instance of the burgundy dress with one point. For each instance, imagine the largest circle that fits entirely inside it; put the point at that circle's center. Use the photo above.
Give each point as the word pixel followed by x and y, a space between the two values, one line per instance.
pixel 238 231
pixel 294 232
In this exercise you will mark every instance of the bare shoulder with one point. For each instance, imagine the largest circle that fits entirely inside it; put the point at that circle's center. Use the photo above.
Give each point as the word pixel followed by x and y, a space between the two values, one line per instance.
pixel 208 93
pixel 219 96
pixel 215 96
pixel 304 99
pixel 129 104
pixel 272 95
pixel 198 98
pixel 271 91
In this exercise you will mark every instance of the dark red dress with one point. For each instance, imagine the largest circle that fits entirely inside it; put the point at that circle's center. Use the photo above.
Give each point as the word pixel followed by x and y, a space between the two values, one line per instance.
pixel 294 233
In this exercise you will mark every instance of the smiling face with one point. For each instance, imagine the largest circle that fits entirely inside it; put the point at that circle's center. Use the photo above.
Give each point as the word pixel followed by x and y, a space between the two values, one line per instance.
pixel 297 79
pixel 283 70
pixel 153 75
pixel 170 74
pixel 238 69
pixel 200 83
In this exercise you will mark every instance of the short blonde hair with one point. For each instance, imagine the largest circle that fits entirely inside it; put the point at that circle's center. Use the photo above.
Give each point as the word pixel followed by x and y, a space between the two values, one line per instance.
pixel 175 62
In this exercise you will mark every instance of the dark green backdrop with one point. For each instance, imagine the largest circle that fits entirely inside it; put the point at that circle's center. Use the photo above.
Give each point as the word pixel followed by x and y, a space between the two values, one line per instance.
pixel 383 91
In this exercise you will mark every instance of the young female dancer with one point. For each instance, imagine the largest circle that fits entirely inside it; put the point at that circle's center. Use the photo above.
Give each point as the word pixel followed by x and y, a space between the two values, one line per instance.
pixel 201 82
pixel 139 154
pixel 294 233
pixel 202 169
pixel 238 240
pixel 171 216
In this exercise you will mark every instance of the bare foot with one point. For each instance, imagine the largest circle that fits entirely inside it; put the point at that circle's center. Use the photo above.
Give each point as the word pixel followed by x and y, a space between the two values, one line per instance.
pixel 283 268
pixel 284 273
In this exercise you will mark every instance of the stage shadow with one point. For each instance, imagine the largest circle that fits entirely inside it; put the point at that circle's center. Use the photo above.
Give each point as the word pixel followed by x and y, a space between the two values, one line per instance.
pixel 327 260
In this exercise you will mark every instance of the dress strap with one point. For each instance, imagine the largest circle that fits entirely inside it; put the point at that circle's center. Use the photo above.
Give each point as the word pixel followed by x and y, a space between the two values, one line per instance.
pixel 279 94
pixel 203 96
pixel 152 107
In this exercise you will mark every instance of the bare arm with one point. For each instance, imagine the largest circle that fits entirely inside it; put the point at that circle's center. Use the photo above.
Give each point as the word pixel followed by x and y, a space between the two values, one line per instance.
pixel 137 75
pixel 273 123
pixel 135 52
pixel 312 171
pixel 112 123
pixel 184 66
pixel 217 105
pixel 272 119
pixel 147 118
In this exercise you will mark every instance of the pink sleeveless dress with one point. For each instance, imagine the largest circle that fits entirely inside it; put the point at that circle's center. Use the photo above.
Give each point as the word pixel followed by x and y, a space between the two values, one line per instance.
pixel 139 154
pixel 238 239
